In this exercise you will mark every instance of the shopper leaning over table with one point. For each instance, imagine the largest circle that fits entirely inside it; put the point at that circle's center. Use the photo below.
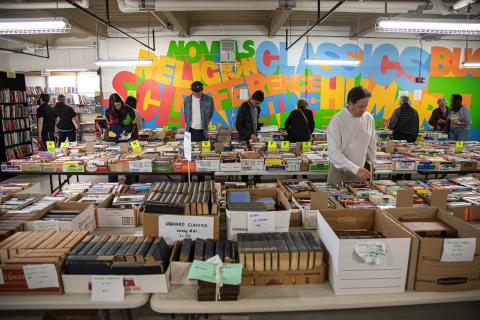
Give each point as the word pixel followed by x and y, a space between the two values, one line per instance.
pixel 132 103
pixel 198 111
pixel 248 114
pixel 351 139
pixel 300 123
pixel 67 121
pixel 458 119
pixel 121 121
pixel 439 118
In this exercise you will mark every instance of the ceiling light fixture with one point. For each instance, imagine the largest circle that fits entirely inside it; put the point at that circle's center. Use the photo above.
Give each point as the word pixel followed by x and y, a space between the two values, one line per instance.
pixel 34 26
pixel 124 62
pixel 471 64
pixel 67 70
pixel 439 26
pixel 333 62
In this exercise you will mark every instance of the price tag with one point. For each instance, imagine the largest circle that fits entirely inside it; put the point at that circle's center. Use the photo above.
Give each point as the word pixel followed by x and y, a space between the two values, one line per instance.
pixel 206 146
pixel 259 222
pixel 285 146
pixel 307 146
pixel 49 225
pixel 136 147
pixel 459 146
pixel 41 276
pixel 51 146
pixel 11 75
pixel 179 227
pixel 212 127
pixel 165 128
pixel 65 144
pixel 272 146
pixel 108 289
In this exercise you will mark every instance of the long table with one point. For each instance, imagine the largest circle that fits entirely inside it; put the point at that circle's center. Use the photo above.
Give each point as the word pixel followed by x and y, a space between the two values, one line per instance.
pixel 284 298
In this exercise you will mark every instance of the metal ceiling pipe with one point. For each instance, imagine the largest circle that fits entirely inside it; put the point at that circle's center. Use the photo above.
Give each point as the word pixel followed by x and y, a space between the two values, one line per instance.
pixel 462 3
pixel 396 7
pixel 41 5
pixel 443 8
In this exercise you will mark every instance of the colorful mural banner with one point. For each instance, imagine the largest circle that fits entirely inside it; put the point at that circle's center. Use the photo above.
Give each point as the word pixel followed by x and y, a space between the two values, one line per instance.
pixel 385 70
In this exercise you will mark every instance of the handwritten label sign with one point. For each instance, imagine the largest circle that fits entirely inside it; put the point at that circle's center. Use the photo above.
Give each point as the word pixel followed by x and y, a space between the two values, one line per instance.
pixel 285 146
pixel 136 147
pixel 307 146
pixel 206 145
pixel 49 225
pixel 260 222
pixel 457 250
pixel 51 146
pixel 173 227
pixel 459 146
pixel 108 289
pixel 187 145
pixel 272 146
pixel 206 271
pixel 41 276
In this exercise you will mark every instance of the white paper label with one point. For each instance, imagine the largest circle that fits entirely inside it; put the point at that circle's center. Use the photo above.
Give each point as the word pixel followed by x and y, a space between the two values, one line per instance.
pixel 187 145
pixel 108 289
pixel 215 260
pixel 144 165
pixel 243 94
pixel 173 227
pixel 417 95
pixel 49 225
pixel 457 250
pixel 260 222
pixel 2 281
pixel 371 252
pixel 41 276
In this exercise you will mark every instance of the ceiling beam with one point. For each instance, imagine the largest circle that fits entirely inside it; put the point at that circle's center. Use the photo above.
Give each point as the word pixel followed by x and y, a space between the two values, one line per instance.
pixel 278 20
pixel 179 22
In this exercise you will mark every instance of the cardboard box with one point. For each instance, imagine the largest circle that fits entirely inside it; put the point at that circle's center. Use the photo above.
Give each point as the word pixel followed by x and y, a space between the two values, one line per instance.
pixel 108 217
pixel 263 278
pixel 83 221
pixel 299 195
pixel 151 224
pixel 293 164
pixel 143 165
pixel 211 165
pixel 318 200
pixel 251 161
pixel 182 166
pixel 237 221
pixel 162 166
pixel 403 165
pixel 15 282
pixel 73 166
pixel 32 167
pixel 118 166
pixel 230 166
pixel 11 167
pixel 348 272
pixel 427 271
pixel 148 283
pixel 52 167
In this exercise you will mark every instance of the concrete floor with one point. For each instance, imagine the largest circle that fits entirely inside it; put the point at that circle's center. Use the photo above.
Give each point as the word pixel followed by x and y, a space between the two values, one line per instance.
pixel 457 311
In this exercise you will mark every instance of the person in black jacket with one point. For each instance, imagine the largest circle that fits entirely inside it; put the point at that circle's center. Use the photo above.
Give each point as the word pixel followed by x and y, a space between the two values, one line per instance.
pixel 300 123
pixel 439 118
pixel 45 121
pixel 247 118
pixel 404 121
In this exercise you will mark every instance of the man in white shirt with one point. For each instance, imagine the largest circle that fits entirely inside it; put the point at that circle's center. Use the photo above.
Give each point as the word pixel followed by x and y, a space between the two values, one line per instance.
pixel 351 139
pixel 198 111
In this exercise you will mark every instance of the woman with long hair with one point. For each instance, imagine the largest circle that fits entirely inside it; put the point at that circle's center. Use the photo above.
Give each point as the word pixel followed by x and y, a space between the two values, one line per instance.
pixel 121 120
pixel 458 119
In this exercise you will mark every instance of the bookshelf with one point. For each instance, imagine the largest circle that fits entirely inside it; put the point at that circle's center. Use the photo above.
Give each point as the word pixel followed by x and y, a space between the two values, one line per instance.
pixel 15 127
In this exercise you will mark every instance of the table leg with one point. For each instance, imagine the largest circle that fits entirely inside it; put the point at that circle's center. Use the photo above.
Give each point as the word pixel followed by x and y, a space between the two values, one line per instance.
pixel 78 178
pixel 129 314
pixel 51 183
pixel 103 314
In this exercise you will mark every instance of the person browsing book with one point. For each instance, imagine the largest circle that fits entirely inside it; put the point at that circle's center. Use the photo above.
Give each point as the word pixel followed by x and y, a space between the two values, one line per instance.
pixel 198 110
pixel 45 121
pixel 247 118
pixel 67 120
pixel 300 123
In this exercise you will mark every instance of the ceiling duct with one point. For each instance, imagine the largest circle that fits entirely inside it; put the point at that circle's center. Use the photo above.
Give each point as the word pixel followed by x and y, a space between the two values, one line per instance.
pixel 42 5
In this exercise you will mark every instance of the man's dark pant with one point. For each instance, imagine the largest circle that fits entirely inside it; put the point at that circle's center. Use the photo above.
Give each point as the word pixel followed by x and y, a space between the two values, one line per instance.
pixel 197 135
pixel 63 135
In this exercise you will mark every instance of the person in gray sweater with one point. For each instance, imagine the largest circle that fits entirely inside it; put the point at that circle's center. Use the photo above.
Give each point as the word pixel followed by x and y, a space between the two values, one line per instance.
pixel 458 119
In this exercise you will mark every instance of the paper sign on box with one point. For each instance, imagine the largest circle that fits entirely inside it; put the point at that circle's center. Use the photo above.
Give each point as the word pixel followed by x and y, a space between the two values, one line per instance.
pixel 458 250
pixel 259 222
pixel 41 276
pixel 108 289
pixel 179 227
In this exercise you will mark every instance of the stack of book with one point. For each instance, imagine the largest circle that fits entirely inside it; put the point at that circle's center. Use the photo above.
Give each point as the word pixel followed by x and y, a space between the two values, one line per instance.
pixel 130 201
pixel 196 198
pixel 286 251
pixel 120 255
pixel 204 249
pixel 241 201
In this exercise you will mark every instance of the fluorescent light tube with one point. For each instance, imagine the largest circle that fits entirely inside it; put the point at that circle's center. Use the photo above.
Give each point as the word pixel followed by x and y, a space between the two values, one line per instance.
pixel 438 26
pixel 333 62
pixel 67 70
pixel 34 25
pixel 124 62
pixel 471 64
